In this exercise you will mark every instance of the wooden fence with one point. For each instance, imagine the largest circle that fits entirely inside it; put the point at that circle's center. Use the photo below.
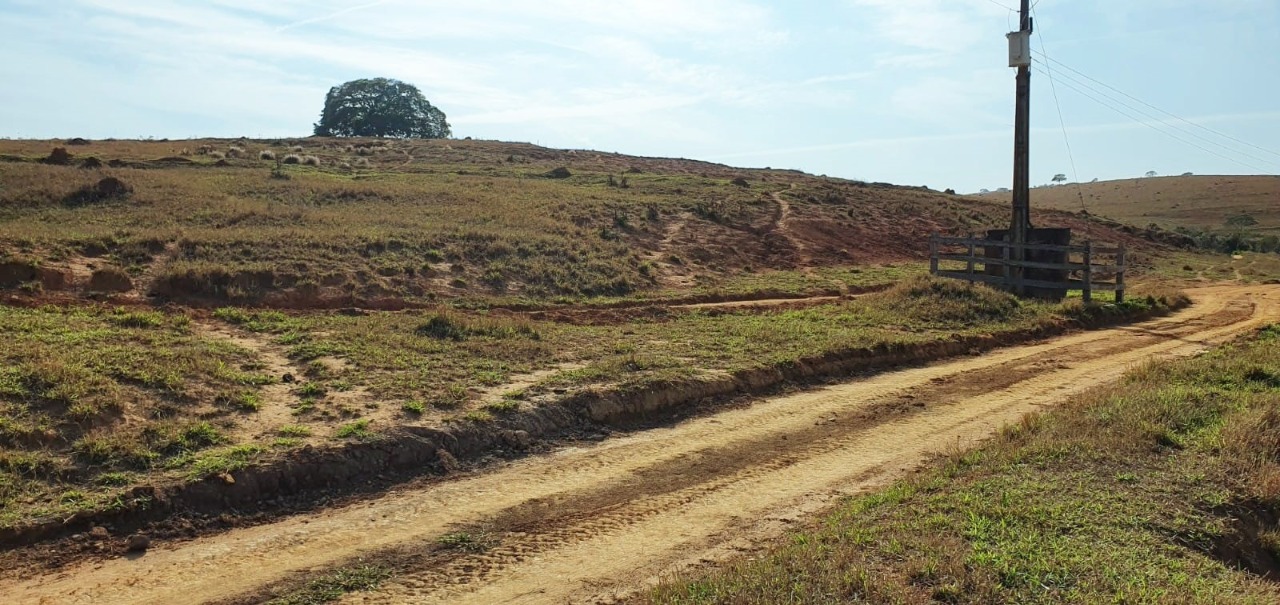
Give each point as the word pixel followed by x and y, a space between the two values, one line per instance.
pixel 1086 268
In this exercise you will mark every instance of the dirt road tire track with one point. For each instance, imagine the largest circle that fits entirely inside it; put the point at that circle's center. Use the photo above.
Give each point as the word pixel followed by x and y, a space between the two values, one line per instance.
pixel 595 524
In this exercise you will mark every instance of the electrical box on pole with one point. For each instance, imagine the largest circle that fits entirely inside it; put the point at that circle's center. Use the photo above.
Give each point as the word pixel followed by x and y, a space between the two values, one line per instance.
pixel 1020 49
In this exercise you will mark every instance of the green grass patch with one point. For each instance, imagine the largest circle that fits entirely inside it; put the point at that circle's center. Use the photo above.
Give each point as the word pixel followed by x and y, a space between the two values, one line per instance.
pixel 336 584
pixel 224 461
pixel 294 431
pixel 355 430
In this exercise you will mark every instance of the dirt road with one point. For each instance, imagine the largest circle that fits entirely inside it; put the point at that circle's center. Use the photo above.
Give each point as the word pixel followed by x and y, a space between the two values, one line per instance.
pixel 594 524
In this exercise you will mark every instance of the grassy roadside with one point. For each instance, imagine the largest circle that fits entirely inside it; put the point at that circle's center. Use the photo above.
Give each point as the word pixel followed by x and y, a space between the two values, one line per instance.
pixel 1162 488
pixel 179 398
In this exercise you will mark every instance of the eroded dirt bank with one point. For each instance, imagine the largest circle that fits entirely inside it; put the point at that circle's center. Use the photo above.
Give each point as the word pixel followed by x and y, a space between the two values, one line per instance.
pixel 593 524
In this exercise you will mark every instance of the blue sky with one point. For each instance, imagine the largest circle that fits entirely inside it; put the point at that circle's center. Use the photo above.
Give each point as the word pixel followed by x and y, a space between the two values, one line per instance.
pixel 908 91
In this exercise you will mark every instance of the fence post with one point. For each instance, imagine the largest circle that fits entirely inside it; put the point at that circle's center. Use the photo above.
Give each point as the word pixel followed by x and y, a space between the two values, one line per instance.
pixel 1088 272
pixel 969 269
pixel 1006 271
pixel 1120 267
pixel 933 255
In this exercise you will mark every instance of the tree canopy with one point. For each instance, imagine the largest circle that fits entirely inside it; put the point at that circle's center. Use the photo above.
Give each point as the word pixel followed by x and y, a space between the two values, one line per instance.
pixel 380 107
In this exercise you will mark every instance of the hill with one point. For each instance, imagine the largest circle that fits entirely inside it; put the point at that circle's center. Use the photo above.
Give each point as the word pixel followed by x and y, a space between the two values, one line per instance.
pixel 363 221
pixel 1191 204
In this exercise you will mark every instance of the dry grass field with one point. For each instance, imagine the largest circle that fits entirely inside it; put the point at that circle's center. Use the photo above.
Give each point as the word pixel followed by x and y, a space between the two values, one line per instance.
pixel 1245 206
pixel 1203 202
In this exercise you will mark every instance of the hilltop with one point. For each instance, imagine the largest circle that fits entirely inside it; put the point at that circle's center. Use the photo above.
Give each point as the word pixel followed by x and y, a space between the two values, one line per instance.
pixel 395 221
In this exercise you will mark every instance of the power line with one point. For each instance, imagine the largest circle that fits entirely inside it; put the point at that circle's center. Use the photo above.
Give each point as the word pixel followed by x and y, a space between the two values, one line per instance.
pixel 1156 118
pixel 1062 121
pixel 1175 116
pixel 1088 95
pixel 1066 78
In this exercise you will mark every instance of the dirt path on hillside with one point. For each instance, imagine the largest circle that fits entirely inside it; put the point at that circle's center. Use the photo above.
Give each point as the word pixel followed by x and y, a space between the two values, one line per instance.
pixel 804 260
pixel 595 524
pixel 660 256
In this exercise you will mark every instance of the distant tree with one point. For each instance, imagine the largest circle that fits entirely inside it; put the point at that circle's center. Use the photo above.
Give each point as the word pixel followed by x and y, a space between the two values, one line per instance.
pixel 1095 179
pixel 1059 178
pixel 380 107
pixel 1151 173
pixel 984 191
pixel 1187 174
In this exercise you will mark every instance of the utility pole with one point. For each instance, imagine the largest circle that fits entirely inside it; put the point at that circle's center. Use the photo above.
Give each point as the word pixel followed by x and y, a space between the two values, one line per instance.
pixel 1020 57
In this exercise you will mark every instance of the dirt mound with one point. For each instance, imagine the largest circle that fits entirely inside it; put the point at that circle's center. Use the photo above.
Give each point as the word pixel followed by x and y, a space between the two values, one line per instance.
pixel 14 273
pixel 58 157
pixel 53 279
pixel 172 161
pixel 105 190
pixel 110 280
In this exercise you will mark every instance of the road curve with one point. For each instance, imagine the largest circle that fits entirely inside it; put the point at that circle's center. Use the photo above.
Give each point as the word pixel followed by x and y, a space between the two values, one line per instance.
pixel 595 524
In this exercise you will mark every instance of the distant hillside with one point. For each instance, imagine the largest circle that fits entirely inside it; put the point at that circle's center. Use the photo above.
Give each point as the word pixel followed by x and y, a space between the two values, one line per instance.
pixel 1212 203
pixel 362 220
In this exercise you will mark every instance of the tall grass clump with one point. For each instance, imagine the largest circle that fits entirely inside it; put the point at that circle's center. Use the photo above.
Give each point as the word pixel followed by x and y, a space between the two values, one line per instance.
pixel 931 299
pixel 267 154
pixel 450 325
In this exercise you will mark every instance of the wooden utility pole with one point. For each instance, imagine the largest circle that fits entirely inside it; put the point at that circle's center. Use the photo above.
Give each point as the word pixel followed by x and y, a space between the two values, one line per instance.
pixel 1020 57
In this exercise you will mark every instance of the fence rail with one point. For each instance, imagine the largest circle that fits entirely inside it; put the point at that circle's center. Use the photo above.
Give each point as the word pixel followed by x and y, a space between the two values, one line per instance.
pixel 1085 267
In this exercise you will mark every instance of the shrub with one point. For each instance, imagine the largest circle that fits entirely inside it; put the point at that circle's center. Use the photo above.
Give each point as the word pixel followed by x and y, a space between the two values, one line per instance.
pixel 217 155
pixel 267 154
pixel 311 160
pixel 558 173
pixel 234 152
pixel 292 158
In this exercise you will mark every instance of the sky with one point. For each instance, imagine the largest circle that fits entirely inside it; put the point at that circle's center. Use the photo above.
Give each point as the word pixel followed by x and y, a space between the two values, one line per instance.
pixel 913 92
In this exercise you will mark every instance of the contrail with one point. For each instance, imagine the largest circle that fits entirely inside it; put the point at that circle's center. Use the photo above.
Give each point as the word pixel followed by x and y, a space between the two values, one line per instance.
pixel 333 15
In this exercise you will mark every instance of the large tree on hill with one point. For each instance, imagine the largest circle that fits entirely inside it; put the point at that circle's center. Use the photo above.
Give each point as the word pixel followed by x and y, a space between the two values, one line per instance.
pixel 380 107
